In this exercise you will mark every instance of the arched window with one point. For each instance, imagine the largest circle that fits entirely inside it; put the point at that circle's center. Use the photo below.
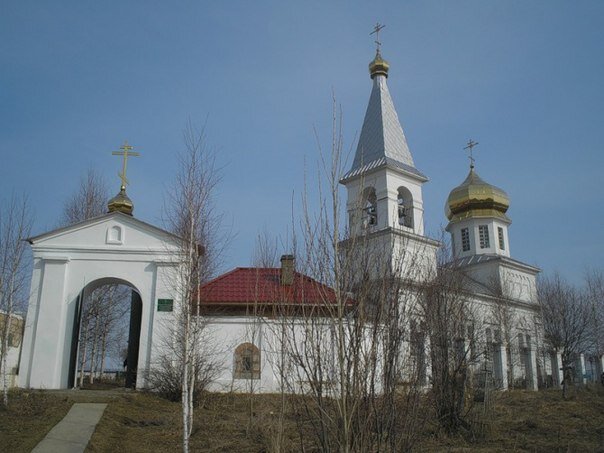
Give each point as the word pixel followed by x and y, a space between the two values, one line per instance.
pixel 247 362
pixel 405 207
pixel 370 207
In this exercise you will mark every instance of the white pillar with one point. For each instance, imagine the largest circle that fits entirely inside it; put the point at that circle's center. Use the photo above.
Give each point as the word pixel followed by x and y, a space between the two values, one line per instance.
pixel 581 368
pixel 47 344
pixel 532 381
pixel 504 366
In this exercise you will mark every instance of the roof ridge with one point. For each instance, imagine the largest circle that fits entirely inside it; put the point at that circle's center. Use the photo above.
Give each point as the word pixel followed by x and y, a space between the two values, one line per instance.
pixel 220 277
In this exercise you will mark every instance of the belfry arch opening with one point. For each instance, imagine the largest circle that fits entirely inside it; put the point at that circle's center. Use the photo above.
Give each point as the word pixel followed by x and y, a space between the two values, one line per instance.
pixel 370 214
pixel 405 207
pixel 106 334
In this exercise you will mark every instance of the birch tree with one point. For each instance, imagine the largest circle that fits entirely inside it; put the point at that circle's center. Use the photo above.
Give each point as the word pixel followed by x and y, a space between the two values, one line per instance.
pixel 15 227
pixel 191 215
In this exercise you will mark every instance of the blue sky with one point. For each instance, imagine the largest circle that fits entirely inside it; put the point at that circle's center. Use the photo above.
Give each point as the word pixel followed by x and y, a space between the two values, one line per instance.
pixel 522 78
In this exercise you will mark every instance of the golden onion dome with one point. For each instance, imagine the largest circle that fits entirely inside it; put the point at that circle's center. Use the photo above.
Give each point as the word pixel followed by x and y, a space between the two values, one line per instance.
pixel 476 198
pixel 121 203
pixel 378 66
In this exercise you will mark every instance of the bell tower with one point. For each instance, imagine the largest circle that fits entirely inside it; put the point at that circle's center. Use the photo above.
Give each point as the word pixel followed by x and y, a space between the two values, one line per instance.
pixel 383 185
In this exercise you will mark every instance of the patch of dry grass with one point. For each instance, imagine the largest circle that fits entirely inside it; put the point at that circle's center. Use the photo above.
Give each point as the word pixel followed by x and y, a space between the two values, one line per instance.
pixel 138 422
pixel 536 422
pixel 30 415
pixel 143 422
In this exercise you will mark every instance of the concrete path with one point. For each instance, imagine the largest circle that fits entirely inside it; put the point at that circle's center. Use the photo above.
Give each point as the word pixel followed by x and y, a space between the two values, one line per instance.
pixel 71 435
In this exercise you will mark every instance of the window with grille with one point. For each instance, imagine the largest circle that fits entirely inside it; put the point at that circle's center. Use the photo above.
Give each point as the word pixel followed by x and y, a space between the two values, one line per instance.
pixel 483 234
pixel 501 241
pixel 465 239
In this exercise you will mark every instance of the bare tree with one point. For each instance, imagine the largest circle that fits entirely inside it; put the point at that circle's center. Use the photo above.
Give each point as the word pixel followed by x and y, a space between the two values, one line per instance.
pixel 104 313
pixel 594 283
pixel 15 227
pixel 264 257
pixel 265 250
pixel 566 321
pixel 345 341
pixel 191 215
pixel 505 317
pixel 88 201
pixel 453 324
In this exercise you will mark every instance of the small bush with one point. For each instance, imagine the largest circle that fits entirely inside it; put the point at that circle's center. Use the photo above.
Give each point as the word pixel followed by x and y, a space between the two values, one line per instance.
pixel 166 378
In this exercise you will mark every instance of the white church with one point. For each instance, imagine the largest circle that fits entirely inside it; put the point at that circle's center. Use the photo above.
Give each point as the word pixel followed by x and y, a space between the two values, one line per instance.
pixel 118 248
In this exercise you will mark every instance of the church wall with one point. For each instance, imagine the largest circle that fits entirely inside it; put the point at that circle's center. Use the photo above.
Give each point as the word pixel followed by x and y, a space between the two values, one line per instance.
pixel 519 285
pixel 226 333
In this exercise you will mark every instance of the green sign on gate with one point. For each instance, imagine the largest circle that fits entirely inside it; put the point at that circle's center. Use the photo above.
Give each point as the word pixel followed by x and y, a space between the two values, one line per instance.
pixel 165 304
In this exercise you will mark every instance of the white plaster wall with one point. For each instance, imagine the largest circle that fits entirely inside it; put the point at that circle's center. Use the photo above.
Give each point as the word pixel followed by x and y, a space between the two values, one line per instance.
pixel 226 334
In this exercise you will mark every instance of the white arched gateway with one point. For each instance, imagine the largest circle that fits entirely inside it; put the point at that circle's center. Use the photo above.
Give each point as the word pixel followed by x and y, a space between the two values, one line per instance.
pixel 70 262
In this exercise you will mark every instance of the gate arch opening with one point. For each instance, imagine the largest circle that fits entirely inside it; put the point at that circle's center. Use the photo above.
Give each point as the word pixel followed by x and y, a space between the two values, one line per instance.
pixel 106 332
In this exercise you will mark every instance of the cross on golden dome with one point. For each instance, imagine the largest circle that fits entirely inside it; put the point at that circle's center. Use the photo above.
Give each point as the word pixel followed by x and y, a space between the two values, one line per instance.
pixel 125 152
pixel 376 32
pixel 470 147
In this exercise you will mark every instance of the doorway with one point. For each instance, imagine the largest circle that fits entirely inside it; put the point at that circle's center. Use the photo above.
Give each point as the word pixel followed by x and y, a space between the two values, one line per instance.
pixel 106 335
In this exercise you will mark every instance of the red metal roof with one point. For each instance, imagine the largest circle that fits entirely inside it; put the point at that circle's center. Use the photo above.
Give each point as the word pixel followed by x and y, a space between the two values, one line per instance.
pixel 250 285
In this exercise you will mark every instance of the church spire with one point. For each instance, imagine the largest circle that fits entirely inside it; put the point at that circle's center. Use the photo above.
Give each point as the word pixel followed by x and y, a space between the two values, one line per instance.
pixel 384 187
pixel 382 141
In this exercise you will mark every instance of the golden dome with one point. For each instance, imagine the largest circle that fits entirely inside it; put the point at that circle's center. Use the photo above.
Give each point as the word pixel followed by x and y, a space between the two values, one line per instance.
pixel 378 66
pixel 476 198
pixel 121 203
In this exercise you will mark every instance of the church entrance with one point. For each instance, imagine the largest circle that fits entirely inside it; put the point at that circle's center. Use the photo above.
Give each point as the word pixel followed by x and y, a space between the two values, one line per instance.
pixel 106 335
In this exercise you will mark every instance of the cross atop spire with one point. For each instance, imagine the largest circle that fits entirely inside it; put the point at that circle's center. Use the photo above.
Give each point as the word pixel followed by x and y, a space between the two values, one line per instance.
pixel 376 31
pixel 470 147
pixel 125 152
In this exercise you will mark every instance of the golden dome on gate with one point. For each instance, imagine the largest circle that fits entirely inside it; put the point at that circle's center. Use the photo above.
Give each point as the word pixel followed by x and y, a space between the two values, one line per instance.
pixel 121 203
pixel 476 198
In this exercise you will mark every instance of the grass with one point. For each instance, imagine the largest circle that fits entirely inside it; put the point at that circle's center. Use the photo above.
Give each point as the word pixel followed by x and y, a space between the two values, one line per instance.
pixel 536 422
pixel 29 416
pixel 142 422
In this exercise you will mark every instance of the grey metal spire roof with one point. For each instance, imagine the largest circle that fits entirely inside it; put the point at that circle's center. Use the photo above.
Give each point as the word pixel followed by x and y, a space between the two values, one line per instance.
pixel 382 140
